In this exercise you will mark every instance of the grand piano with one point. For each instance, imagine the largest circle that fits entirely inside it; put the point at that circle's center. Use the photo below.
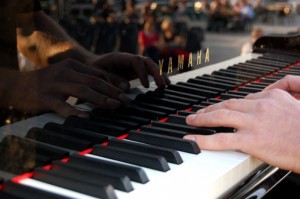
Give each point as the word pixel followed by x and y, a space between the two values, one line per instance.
pixel 137 151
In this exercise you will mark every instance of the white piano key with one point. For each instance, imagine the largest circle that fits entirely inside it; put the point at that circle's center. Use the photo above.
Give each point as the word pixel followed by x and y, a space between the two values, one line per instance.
pixel 54 189
pixel 207 175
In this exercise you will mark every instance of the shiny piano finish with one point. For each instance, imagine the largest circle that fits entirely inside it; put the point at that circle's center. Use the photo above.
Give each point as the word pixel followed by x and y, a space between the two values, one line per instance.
pixel 203 174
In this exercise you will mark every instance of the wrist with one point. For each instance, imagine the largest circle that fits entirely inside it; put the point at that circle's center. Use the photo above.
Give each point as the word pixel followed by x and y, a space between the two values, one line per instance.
pixel 75 52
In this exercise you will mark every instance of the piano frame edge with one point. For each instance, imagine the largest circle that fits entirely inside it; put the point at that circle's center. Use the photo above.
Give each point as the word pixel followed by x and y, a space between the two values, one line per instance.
pixel 258 183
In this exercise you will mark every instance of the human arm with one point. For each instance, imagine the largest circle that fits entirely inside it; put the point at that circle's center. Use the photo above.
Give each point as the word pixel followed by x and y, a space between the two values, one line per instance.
pixel 266 123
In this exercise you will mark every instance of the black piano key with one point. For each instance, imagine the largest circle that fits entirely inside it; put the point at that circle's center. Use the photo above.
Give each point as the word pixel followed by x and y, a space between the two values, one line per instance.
pixel 118 115
pixel 240 93
pixel 133 157
pixel 269 63
pixel 226 86
pixel 294 68
pixel 102 128
pixel 92 137
pixel 194 91
pixel 224 77
pixel 105 192
pixel 277 57
pixel 163 131
pixel 135 110
pixel 97 178
pixel 188 129
pixel 263 63
pixel 207 103
pixel 199 86
pixel 265 68
pixel 262 84
pixel 185 113
pixel 164 141
pixel 114 121
pixel 195 108
pixel 27 192
pixel 182 94
pixel 254 85
pixel 162 101
pixel 249 89
pixel 136 174
pixel 289 72
pixel 154 107
pixel 249 71
pixel 177 119
pixel 224 80
pixel 269 80
pixel 172 97
pixel 246 66
pixel 60 140
pixel 215 100
pixel 234 74
pixel 285 73
pixel 170 155
pixel 231 74
pixel 226 96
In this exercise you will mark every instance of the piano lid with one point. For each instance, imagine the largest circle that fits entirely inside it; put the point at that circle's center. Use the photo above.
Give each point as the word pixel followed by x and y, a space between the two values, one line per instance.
pixel 286 44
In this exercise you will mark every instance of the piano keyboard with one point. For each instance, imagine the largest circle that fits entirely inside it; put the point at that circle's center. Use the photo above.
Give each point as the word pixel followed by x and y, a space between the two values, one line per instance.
pixel 81 158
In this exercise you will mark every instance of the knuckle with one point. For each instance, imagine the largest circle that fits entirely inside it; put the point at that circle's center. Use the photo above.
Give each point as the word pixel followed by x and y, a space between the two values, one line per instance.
pixel 263 105
pixel 275 92
pixel 229 103
pixel 287 77
pixel 220 114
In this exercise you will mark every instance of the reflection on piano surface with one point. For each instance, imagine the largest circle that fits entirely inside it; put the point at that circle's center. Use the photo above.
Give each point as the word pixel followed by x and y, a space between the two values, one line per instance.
pixel 138 150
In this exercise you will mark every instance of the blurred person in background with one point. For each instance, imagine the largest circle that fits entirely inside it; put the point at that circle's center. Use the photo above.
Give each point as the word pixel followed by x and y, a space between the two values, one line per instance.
pixel 220 13
pixel 149 41
pixel 248 46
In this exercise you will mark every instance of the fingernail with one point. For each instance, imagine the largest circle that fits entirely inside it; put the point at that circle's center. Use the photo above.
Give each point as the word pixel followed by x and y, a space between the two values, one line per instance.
pixel 191 117
pixel 201 110
pixel 189 137
pixel 112 103
pixel 123 86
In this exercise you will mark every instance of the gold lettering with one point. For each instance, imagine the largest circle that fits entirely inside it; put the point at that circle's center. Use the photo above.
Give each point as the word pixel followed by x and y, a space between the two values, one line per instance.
pixel 190 60
pixel 180 62
pixel 199 53
pixel 160 64
pixel 170 65
pixel 207 55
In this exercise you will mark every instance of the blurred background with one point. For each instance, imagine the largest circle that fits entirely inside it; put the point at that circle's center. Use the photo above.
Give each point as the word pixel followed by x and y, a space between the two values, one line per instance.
pixel 166 28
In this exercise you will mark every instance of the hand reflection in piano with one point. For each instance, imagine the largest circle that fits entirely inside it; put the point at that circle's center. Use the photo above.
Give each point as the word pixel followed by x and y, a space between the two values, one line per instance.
pixel 267 124
pixel 47 89
pixel 71 71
